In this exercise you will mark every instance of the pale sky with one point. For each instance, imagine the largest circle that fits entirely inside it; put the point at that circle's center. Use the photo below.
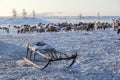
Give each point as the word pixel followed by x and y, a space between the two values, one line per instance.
pixel 62 7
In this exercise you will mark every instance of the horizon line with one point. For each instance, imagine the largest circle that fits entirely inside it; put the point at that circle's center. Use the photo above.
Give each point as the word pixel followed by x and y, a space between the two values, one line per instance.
pixel 65 16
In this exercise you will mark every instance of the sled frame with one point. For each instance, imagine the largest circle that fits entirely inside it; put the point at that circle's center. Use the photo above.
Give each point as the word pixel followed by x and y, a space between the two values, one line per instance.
pixel 52 57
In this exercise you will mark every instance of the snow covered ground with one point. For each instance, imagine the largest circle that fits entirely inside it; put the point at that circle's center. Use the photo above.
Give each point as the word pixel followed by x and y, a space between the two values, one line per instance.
pixel 98 54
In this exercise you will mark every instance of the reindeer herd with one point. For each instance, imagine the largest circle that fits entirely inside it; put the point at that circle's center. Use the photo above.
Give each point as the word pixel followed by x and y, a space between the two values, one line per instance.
pixel 22 29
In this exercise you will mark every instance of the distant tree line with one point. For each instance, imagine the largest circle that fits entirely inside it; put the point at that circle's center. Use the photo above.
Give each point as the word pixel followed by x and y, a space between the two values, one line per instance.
pixel 33 14
pixel 23 14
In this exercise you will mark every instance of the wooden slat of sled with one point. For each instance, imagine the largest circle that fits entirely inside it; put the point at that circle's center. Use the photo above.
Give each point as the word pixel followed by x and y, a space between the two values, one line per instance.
pixel 43 55
pixel 39 53
pixel 30 62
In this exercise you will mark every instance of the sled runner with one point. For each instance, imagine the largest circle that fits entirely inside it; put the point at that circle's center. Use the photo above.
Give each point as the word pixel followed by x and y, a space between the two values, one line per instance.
pixel 44 54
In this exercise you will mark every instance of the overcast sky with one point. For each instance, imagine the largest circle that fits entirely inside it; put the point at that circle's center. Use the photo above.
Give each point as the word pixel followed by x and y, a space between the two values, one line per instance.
pixel 62 7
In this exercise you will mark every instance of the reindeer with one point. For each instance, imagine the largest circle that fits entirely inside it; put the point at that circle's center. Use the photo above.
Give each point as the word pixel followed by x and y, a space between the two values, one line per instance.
pixel 116 25
pixel 118 31
pixel 99 25
pixel 90 26
pixel 52 29
pixel 6 29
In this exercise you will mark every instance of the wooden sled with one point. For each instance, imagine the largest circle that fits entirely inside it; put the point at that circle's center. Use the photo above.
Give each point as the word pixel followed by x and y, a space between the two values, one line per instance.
pixel 52 55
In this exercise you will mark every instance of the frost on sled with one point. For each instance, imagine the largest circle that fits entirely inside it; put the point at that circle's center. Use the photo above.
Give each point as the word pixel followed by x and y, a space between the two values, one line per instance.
pixel 40 55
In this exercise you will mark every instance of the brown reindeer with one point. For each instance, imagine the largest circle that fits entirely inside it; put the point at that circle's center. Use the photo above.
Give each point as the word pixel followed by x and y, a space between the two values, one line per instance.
pixel 52 29
pixel 68 28
pixel 90 27
pixel 116 25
